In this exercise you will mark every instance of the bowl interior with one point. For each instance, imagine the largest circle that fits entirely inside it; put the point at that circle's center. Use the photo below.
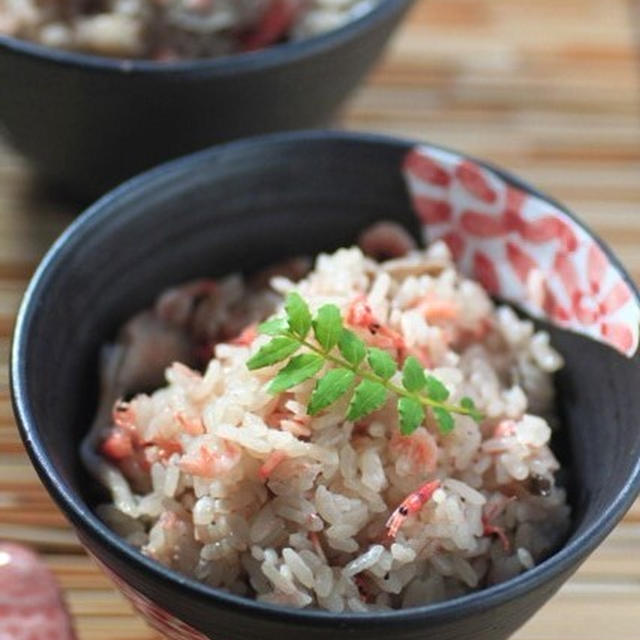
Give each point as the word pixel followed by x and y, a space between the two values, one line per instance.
pixel 245 206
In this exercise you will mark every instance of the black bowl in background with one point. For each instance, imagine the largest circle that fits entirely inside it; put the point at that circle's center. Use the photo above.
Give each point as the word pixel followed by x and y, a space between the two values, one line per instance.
pixel 243 206
pixel 87 123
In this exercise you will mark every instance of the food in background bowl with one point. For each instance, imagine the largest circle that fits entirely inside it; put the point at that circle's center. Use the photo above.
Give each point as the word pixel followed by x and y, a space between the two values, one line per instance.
pixel 102 127
pixel 382 441
pixel 175 29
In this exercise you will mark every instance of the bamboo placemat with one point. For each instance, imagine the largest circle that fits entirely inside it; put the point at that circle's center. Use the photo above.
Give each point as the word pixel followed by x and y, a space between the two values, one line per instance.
pixel 549 89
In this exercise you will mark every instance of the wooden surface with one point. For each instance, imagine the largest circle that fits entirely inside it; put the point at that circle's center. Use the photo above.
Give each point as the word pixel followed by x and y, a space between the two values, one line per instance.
pixel 547 88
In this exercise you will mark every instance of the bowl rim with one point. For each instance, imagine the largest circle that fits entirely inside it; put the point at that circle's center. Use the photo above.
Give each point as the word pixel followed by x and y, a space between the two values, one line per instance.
pixel 258 60
pixel 565 560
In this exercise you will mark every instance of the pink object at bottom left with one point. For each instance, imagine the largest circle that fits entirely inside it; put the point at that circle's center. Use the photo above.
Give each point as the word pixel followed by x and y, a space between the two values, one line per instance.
pixel 31 605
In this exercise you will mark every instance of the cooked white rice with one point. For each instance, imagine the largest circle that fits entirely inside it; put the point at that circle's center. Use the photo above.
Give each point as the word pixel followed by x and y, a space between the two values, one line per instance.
pixel 171 29
pixel 246 492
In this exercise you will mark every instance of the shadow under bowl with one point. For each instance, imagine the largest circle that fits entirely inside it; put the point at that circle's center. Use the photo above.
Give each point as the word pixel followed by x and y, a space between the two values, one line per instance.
pixel 240 207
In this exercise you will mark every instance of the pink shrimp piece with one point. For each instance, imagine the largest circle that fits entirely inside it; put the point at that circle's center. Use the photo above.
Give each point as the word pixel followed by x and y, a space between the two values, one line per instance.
pixel 420 448
pixel 246 337
pixel 394 339
pixel 410 505
pixel 279 16
pixel 166 448
pixel 117 445
pixel 359 315
pixel 288 421
pixel 491 512
pixel 439 310
pixel 472 335
pixel 276 417
pixel 207 464
pixel 123 416
pixel 504 429
pixel 272 461
pixel 491 529
pixel 317 545
pixel 122 440
pixel 192 426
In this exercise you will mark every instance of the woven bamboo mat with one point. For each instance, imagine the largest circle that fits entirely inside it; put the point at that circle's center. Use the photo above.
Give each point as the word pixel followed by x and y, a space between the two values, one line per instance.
pixel 549 89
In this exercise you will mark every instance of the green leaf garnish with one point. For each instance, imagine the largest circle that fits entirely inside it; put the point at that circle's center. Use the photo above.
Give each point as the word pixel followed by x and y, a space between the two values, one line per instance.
pixel 351 347
pixel 329 388
pixel 411 415
pixel 413 378
pixel 367 397
pixel 327 326
pixel 343 354
pixel 381 362
pixel 273 352
pixel 296 371
pixel 298 314
pixel 468 404
pixel 273 327
pixel 436 390
pixel 444 419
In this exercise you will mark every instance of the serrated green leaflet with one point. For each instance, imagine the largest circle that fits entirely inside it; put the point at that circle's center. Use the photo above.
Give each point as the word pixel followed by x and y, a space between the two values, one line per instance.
pixel 345 368
pixel 411 415
pixel 413 378
pixel 469 405
pixel 329 388
pixel 327 326
pixel 381 362
pixel 298 314
pixel 273 352
pixel 436 390
pixel 444 419
pixel 367 397
pixel 351 347
pixel 273 327
pixel 296 371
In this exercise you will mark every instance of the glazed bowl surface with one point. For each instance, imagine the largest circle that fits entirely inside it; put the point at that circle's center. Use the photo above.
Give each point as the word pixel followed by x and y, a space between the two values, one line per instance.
pixel 87 123
pixel 250 203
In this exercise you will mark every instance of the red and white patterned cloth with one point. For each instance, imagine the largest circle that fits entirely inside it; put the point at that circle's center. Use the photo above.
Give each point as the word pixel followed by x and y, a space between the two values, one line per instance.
pixel 522 247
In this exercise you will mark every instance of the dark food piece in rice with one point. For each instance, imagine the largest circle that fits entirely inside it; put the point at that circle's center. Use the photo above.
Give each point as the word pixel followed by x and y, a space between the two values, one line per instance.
pixel 386 240
pixel 540 485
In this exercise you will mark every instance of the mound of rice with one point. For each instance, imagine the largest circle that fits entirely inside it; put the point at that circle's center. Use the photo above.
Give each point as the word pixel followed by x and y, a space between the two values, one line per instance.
pixel 215 477
pixel 169 29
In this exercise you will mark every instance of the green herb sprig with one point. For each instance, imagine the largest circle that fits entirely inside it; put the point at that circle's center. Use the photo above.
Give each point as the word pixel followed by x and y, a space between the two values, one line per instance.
pixel 353 366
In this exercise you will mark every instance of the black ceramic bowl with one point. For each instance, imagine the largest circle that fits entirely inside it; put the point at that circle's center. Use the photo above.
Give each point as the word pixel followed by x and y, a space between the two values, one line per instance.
pixel 245 205
pixel 86 123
